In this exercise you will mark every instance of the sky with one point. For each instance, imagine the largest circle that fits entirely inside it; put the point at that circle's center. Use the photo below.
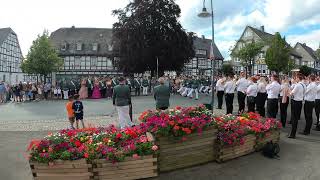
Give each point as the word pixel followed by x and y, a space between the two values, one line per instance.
pixel 297 20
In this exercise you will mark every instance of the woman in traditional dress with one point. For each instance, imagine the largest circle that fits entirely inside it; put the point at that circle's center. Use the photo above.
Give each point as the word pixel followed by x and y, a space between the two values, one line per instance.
pixel 96 90
pixel 83 93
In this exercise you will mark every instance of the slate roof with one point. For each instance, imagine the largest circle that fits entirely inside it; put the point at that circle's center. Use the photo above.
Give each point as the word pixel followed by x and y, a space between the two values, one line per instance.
pixel 268 37
pixel 309 50
pixel 205 44
pixel 4 33
pixel 86 36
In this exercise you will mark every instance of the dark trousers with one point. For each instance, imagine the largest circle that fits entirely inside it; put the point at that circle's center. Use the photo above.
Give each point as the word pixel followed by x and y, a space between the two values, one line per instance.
pixel 291 108
pixel 72 92
pixel 103 93
pixel 46 95
pixel 272 108
pixel 251 102
pixel 317 109
pixel 295 114
pixel 220 99
pixel 229 103
pixel 241 102
pixel 260 103
pixel 308 110
pixel 283 111
pixel 89 92
pixel 137 91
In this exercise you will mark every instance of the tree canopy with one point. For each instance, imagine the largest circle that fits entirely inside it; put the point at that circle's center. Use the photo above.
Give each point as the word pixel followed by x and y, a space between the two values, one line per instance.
pixel 148 30
pixel 42 59
pixel 278 54
pixel 227 69
pixel 248 53
pixel 305 70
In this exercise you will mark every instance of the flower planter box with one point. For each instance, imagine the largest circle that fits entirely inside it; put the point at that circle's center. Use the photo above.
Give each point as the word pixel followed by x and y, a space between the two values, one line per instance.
pixel 225 153
pixel 143 167
pixel 196 149
pixel 62 170
pixel 273 136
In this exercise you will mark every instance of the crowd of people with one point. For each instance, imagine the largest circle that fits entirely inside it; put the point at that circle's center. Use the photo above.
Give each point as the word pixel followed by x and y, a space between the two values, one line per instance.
pixel 268 95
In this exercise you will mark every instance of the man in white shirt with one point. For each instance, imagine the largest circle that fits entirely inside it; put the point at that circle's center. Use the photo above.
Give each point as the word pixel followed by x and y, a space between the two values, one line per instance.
pixel 298 94
pixel 273 91
pixel 252 92
pixel 220 91
pixel 229 88
pixel 309 99
pixel 317 105
pixel 242 85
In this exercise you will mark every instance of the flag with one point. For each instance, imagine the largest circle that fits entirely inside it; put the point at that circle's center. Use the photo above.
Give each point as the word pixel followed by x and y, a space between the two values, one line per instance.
pixel 211 52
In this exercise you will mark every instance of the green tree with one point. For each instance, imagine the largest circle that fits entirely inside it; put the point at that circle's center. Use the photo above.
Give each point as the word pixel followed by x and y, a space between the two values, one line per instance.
pixel 42 59
pixel 248 53
pixel 227 69
pixel 318 53
pixel 148 35
pixel 291 65
pixel 305 70
pixel 277 56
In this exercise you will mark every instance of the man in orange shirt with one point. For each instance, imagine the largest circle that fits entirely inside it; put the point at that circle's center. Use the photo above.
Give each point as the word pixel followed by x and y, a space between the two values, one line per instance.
pixel 70 111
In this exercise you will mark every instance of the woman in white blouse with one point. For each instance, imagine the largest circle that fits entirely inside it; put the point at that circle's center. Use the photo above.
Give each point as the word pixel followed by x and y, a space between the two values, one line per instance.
pixel 252 92
pixel 229 88
pixel 284 101
pixel 261 96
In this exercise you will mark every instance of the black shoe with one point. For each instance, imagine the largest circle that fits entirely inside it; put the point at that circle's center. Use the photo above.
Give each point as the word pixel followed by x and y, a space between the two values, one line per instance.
pixel 290 122
pixel 304 133
pixel 291 137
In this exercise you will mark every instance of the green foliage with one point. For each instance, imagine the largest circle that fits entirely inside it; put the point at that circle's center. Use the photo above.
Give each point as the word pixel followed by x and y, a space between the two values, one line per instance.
pixel 248 53
pixel 277 57
pixel 42 58
pixel 305 70
pixel 227 69
pixel 318 53
pixel 291 65
pixel 148 30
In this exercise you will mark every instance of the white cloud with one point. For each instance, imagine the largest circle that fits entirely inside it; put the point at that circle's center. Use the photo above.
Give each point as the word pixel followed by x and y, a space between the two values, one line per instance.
pixel 312 39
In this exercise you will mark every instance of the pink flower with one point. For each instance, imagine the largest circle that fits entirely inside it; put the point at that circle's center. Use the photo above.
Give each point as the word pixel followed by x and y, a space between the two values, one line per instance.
pixel 154 148
pixel 135 156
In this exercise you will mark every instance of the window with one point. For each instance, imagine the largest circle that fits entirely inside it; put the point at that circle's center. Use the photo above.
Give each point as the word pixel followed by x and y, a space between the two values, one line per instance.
pixel 110 47
pixel 77 62
pixel 94 62
pixel 64 46
pixel 79 46
pixel 247 34
pixel 95 47
pixel 201 52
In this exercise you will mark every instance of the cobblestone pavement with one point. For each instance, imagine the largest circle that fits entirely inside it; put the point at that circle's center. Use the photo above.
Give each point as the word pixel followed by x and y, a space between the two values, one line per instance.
pixel 51 115
pixel 20 123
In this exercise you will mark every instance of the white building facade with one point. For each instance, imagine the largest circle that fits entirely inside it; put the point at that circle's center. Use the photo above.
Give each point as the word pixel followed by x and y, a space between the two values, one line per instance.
pixel 10 57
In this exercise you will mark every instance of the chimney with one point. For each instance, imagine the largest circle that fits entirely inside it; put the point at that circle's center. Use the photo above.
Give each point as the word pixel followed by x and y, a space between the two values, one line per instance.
pixel 73 27
pixel 304 44
pixel 203 37
pixel 262 28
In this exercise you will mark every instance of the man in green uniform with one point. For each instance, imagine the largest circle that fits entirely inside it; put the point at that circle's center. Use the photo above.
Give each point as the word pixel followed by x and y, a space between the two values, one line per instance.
pixel 122 100
pixel 162 95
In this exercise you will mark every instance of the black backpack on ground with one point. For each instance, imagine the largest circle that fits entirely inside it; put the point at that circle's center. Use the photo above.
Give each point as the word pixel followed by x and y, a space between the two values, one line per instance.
pixel 271 150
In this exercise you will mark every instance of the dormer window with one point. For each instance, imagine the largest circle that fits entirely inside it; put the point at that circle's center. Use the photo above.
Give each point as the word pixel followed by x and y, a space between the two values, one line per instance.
pixel 64 46
pixel 79 46
pixel 110 47
pixel 95 46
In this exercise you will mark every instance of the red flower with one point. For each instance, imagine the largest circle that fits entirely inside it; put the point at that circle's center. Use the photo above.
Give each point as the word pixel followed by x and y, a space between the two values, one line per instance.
pixel 85 155
pixel 77 143
pixel 119 135
pixel 176 127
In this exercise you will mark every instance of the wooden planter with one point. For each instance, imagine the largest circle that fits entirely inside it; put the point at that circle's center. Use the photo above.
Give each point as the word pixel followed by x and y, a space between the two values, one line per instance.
pixel 62 170
pixel 273 136
pixel 225 153
pixel 144 167
pixel 196 149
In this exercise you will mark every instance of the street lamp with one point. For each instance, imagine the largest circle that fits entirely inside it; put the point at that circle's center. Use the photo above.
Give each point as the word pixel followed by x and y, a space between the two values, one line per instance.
pixel 206 14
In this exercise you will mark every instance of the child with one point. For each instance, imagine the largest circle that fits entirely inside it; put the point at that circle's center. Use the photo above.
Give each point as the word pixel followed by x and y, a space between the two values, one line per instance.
pixel 78 110
pixel 70 111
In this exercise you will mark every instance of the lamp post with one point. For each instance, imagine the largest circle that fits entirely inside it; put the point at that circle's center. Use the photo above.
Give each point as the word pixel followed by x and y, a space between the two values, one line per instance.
pixel 206 14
